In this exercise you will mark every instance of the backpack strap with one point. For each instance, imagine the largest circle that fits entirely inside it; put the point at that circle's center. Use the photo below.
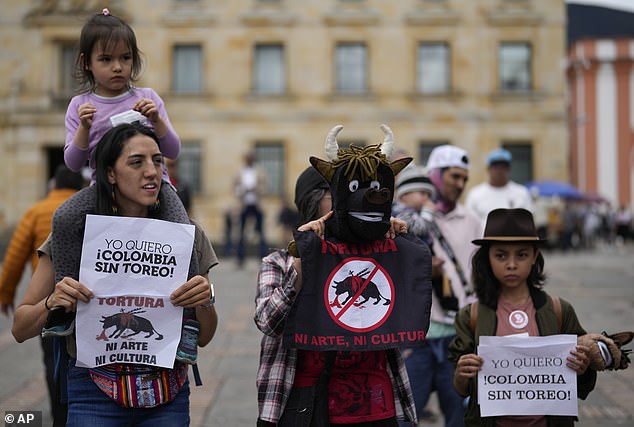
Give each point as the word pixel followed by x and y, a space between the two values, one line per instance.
pixel 557 309
pixel 60 362
pixel 190 314
pixel 435 231
pixel 474 316
pixel 197 379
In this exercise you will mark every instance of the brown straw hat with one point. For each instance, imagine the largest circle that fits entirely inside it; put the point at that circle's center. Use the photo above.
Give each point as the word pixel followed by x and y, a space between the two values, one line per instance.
pixel 509 226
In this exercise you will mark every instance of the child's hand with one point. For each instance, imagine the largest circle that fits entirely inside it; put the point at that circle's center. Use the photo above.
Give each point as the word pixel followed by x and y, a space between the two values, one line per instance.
pixel 468 366
pixel 397 226
pixel 86 112
pixel 579 360
pixel 148 108
pixel 318 226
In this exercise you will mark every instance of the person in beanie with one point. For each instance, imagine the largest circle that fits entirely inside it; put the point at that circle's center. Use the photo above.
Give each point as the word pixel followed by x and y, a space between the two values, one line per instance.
pixel 282 371
pixel 508 271
pixel 452 230
pixel 414 204
pixel 414 201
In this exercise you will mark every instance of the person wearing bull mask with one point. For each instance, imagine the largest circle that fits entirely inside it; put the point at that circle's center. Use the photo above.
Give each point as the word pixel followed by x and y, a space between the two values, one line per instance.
pixel 129 165
pixel 284 371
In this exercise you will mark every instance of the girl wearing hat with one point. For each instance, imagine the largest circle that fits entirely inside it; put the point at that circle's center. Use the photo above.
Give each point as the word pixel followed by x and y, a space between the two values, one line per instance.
pixel 508 277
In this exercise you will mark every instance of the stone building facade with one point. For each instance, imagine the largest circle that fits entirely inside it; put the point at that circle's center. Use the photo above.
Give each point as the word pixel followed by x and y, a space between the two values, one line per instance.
pixel 275 75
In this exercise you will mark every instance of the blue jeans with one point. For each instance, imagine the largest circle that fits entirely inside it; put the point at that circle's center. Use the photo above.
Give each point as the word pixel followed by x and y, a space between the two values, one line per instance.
pixel 429 369
pixel 89 406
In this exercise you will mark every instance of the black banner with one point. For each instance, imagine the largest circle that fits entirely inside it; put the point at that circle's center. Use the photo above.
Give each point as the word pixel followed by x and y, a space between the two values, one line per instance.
pixel 360 296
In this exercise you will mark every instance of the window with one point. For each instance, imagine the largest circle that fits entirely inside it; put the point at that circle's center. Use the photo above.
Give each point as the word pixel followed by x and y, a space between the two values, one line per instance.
pixel 187 69
pixel 189 165
pixel 68 83
pixel 351 68
pixel 515 67
pixel 433 69
pixel 269 75
pixel 270 159
pixel 425 148
pixel 522 166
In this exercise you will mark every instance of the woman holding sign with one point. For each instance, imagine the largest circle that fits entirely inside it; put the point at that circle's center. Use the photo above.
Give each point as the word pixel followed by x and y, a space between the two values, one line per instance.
pixel 508 277
pixel 129 165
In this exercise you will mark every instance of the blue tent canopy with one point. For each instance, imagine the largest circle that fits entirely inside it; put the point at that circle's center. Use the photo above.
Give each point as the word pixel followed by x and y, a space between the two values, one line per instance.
pixel 554 189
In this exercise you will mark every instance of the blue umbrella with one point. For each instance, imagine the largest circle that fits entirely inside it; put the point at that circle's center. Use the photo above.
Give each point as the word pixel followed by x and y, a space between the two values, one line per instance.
pixel 554 189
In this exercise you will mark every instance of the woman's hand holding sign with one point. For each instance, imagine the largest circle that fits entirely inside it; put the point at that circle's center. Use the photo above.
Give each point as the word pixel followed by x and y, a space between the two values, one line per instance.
pixel 196 292
pixel 66 294
pixel 193 293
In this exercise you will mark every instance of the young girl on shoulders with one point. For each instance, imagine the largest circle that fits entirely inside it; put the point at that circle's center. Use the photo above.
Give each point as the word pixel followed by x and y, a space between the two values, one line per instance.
pixel 508 274
pixel 109 61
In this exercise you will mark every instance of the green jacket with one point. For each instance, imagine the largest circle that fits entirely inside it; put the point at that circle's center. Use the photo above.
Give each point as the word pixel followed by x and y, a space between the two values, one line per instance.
pixel 465 342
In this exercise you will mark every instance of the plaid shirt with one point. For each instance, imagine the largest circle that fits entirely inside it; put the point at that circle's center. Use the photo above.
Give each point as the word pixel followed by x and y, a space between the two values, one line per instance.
pixel 276 373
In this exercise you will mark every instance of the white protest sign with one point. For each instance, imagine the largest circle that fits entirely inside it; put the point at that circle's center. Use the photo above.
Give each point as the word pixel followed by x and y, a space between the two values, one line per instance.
pixel 149 254
pixel 527 376
pixel 131 265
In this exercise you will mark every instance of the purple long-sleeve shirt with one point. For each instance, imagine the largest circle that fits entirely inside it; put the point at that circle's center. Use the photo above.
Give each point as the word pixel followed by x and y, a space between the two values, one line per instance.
pixel 76 158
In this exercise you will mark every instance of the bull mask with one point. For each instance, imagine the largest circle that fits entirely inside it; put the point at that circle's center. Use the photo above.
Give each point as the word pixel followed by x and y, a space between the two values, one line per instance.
pixel 361 182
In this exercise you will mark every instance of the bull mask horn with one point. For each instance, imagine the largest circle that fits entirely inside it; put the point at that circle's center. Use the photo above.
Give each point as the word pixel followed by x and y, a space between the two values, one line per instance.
pixel 331 143
pixel 387 147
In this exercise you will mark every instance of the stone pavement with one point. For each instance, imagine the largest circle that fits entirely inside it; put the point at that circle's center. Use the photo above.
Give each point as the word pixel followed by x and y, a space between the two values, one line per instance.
pixel 600 284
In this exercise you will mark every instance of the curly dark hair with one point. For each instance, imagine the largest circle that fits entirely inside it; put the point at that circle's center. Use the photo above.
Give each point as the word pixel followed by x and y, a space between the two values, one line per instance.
pixel 487 287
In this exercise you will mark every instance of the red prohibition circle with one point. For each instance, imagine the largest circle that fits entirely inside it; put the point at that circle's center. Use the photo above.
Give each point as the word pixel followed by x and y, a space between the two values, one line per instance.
pixel 336 317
